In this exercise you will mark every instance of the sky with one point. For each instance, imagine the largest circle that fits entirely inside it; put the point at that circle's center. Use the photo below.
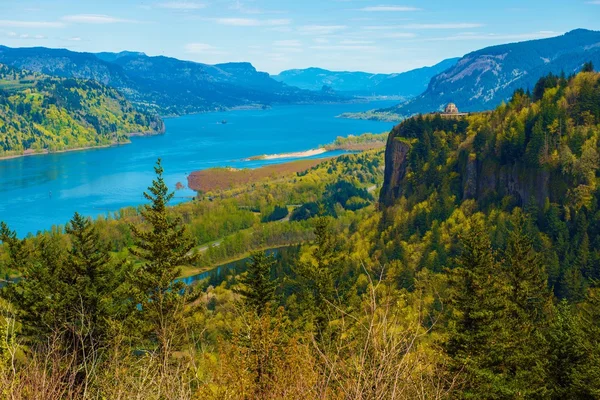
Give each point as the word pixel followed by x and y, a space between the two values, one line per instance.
pixel 275 35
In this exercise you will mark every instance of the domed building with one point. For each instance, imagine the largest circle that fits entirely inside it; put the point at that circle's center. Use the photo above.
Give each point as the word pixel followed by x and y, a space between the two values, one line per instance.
pixel 451 109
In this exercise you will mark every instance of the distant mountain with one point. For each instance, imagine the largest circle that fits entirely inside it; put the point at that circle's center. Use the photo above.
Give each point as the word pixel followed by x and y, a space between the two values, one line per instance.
pixel 166 85
pixel 39 113
pixel 483 79
pixel 405 84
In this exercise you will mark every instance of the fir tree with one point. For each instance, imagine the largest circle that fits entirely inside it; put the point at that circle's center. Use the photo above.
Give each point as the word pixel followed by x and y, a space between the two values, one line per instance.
pixel 529 305
pixel 317 274
pixel 163 247
pixel 586 375
pixel 567 354
pixel 17 249
pixel 476 317
pixel 588 67
pixel 94 281
pixel 258 287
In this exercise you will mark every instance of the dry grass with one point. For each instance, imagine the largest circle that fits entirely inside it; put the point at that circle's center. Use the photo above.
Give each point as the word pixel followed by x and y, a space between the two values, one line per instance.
pixel 213 179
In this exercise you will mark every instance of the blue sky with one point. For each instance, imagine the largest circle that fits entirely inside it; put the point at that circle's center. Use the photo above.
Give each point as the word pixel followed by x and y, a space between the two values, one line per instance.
pixel 367 35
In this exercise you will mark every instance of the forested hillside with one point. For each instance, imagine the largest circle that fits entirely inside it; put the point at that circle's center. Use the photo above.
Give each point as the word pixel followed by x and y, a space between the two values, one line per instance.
pixel 476 277
pixel 39 113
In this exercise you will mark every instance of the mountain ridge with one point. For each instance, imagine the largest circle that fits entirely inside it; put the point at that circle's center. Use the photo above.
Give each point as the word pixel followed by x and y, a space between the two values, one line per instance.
pixel 484 78
pixel 166 85
pixel 404 84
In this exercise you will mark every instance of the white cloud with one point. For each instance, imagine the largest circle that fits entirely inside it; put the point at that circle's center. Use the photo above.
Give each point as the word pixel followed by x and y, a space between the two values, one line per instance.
pixel 198 47
pixel 344 47
pixel 30 24
pixel 493 36
pixel 399 35
pixel 252 22
pixel 202 48
pixel 443 26
pixel 321 29
pixel 182 5
pixel 380 27
pixel 353 42
pixel 596 2
pixel 287 43
pixel 388 9
pixel 95 19
pixel 27 36
pixel 240 7
pixel 321 40
pixel 75 39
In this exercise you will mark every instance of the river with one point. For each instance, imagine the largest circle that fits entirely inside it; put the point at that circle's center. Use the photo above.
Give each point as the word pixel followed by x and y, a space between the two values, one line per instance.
pixel 38 192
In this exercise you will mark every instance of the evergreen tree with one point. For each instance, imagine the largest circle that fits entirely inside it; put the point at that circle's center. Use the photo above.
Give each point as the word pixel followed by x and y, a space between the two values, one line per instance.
pixel 586 375
pixel 163 247
pixel 475 325
pixel 317 274
pixel 529 305
pixel 258 287
pixel 38 296
pixel 94 282
pixel 17 249
pixel 588 67
pixel 567 353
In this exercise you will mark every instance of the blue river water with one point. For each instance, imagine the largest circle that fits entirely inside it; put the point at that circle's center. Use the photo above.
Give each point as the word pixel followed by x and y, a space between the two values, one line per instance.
pixel 38 192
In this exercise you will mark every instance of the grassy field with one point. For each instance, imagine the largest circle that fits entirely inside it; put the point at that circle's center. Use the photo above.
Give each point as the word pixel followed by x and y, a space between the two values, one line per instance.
pixel 213 179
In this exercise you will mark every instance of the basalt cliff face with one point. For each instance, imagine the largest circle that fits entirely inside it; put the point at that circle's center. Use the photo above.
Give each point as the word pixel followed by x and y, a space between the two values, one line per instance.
pixel 540 149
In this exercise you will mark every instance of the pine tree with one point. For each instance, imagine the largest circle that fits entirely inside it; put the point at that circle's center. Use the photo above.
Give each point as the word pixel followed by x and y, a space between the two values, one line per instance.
pixel 317 274
pixel 588 67
pixel 567 354
pixel 94 281
pixel 529 305
pixel 163 247
pixel 476 297
pixel 18 252
pixel 258 287
pixel 586 375
pixel 38 296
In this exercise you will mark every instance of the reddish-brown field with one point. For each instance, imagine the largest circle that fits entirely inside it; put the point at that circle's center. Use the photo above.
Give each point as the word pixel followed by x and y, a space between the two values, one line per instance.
pixel 209 180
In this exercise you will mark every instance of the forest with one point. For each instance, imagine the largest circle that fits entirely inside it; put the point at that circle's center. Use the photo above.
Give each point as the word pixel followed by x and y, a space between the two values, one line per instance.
pixel 475 276
pixel 39 113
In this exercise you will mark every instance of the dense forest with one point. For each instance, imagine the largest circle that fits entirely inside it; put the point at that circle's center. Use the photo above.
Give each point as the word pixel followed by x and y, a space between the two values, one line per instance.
pixel 474 277
pixel 39 113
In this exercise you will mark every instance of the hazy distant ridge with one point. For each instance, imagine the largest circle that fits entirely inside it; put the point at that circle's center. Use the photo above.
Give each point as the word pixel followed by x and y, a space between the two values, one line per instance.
pixel 405 84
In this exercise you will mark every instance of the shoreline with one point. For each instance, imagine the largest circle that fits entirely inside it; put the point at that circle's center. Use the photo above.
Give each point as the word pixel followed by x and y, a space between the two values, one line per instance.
pixel 46 152
pixel 296 154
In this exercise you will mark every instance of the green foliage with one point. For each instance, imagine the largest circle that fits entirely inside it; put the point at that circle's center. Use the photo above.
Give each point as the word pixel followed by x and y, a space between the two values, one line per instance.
pixel 258 287
pixel 40 113
pixel 278 213
pixel 163 246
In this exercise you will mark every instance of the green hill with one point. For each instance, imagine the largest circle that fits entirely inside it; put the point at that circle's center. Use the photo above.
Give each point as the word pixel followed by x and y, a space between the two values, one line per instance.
pixel 39 113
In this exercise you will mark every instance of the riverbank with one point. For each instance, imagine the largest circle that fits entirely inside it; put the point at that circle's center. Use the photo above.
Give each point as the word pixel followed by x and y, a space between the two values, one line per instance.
pixel 223 178
pixel 298 154
pixel 44 152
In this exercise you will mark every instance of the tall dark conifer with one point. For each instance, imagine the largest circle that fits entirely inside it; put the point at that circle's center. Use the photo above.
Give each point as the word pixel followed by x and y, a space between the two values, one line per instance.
pixel 258 287
pixel 478 308
pixel 163 247
pixel 527 317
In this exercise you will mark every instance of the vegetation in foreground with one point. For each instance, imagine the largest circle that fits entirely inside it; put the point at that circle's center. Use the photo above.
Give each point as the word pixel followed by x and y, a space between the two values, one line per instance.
pixel 441 294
